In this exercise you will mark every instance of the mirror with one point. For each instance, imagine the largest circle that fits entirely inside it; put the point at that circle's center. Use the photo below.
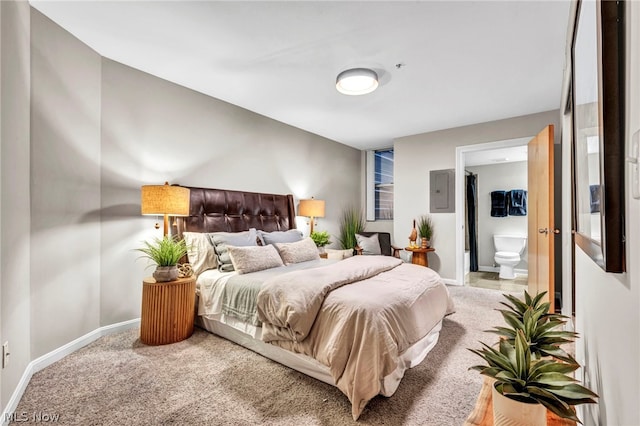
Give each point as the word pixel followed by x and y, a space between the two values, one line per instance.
pixel 598 133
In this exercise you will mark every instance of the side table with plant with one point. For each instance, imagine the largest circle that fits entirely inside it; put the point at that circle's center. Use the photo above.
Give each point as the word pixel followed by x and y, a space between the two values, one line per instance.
pixel 529 367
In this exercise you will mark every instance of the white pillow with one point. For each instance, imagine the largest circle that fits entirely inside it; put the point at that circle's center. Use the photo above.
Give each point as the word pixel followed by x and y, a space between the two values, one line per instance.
pixel 200 251
pixel 254 258
pixel 338 254
pixel 369 245
pixel 300 251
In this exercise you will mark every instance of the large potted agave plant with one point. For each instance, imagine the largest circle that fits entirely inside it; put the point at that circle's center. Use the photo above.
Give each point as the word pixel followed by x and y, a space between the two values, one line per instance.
pixel 165 252
pixel 530 370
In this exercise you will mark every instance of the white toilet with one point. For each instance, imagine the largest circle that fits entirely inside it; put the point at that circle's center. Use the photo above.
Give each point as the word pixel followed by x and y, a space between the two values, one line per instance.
pixel 508 251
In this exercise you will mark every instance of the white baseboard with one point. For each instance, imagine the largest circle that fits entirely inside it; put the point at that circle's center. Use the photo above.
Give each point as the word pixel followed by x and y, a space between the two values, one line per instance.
pixel 449 281
pixel 56 355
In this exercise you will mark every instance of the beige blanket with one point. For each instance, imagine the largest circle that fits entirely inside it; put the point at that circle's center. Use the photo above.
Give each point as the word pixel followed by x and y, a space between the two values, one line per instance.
pixel 356 317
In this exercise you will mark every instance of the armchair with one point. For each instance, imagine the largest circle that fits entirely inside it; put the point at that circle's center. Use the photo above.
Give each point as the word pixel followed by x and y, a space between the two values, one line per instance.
pixel 386 248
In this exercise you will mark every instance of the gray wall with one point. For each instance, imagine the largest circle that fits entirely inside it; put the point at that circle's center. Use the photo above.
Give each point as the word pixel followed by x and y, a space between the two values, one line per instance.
pixel 74 154
pixel 416 156
pixel 65 186
pixel 155 131
pixel 15 240
pixel 493 177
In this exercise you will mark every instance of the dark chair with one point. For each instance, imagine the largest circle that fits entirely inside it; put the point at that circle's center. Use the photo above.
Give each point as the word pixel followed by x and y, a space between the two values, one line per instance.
pixel 386 248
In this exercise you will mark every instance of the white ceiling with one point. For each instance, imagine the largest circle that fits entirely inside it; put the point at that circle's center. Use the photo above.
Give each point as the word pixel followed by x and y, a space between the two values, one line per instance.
pixel 462 62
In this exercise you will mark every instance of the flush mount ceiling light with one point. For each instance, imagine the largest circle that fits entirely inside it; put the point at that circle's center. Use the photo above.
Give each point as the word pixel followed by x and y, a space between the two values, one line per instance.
pixel 357 81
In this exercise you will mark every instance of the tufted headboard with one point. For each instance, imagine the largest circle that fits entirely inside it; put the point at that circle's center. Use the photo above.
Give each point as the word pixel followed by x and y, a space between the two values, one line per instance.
pixel 216 210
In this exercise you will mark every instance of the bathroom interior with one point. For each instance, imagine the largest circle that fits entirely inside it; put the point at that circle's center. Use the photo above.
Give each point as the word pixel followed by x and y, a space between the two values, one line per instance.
pixel 499 179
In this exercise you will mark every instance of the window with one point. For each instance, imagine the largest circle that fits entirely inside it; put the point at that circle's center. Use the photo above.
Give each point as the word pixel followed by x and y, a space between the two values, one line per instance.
pixel 380 184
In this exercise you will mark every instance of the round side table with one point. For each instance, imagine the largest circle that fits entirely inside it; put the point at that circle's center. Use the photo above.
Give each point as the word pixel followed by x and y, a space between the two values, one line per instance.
pixel 419 256
pixel 168 310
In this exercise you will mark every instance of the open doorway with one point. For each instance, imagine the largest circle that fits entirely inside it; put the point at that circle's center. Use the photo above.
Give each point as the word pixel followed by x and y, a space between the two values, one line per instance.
pixel 498 167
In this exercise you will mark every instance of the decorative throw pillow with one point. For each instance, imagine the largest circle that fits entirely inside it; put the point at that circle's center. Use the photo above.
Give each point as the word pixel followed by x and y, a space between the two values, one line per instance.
pixel 200 251
pixel 300 251
pixel 254 258
pixel 369 245
pixel 290 236
pixel 221 241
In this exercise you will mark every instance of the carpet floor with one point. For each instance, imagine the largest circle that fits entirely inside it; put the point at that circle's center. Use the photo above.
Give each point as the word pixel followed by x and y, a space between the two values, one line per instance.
pixel 206 380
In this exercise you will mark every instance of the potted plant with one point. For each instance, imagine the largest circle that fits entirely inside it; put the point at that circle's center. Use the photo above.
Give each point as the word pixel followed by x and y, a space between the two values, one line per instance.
pixel 351 223
pixel 529 368
pixel 543 330
pixel 425 229
pixel 165 252
pixel 321 238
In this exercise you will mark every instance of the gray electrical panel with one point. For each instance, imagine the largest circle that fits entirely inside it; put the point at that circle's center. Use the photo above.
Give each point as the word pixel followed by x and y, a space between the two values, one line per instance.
pixel 442 190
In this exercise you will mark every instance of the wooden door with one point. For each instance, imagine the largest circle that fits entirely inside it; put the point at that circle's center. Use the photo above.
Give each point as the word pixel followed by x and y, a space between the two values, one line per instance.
pixel 540 214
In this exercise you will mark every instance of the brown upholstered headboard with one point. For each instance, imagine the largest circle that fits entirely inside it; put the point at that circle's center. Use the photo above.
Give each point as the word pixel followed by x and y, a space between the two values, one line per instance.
pixel 216 210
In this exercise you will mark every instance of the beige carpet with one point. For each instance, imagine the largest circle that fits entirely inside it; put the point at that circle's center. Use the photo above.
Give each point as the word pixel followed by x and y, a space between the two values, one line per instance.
pixel 206 380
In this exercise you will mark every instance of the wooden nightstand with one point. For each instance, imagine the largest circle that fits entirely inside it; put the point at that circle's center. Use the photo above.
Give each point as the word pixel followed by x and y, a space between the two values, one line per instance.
pixel 168 310
pixel 420 255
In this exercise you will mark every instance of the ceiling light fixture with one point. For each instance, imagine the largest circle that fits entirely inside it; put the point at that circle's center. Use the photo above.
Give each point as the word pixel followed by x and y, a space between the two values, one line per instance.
pixel 357 81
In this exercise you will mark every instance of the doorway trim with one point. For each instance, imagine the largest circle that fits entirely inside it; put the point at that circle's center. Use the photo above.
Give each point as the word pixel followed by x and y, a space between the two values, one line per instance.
pixel 461 151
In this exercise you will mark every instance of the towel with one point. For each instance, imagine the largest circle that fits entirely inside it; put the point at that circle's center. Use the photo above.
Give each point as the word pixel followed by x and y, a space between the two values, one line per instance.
pixel 517 202
pixel 594 201
pixel 499 204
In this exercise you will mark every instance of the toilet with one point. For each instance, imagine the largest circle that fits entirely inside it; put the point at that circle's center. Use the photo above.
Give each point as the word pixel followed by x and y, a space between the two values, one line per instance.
pixel 508 251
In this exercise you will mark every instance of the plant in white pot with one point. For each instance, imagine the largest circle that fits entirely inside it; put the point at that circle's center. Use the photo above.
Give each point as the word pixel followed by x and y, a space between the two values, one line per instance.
pixel 165 252
pixel 529 368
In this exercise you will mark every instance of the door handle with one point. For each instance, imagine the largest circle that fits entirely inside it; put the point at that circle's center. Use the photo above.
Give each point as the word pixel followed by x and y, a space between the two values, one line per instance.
pixel 546 231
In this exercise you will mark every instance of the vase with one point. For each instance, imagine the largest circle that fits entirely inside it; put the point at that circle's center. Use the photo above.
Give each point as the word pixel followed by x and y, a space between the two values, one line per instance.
pixel 509 412
pixel 164 274
pixel 424 243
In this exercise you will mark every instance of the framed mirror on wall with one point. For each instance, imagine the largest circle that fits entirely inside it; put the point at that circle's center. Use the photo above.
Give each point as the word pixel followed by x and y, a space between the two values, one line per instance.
pixel 598 131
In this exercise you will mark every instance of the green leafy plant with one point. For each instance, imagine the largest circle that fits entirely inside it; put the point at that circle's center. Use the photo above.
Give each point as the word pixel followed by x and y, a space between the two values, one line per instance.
pixel 542 329
pixel 166 251
pixel 352 222
pixel 425 227
pixel 527 379
pixel 321 238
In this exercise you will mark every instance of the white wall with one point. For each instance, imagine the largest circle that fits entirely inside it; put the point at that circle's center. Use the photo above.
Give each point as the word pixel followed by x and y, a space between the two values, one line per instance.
pixel 416 156
pixel 607 314
pixel 15 323
pixel 495 177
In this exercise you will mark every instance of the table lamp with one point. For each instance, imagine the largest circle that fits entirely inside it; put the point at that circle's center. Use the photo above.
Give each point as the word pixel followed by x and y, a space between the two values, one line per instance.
pixel 311 208
pixel 164 200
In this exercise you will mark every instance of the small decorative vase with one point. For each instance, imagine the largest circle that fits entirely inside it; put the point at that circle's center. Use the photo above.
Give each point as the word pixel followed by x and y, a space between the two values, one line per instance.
pixel 509 412
pixel 414 235
pixel 164 274
pixel 424 242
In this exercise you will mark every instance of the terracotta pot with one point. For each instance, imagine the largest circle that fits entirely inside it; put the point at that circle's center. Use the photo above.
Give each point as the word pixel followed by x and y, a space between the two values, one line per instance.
pixel 509 412
pixel 164 274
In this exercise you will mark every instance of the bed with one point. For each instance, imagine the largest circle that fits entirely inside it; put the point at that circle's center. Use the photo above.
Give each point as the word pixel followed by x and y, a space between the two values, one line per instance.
pixel 357 323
